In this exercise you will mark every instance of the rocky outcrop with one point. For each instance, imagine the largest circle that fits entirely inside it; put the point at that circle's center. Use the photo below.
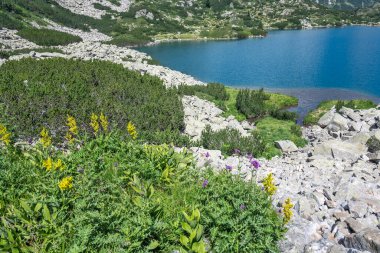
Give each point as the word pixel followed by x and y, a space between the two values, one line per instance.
pixel 11 40
pixel 286 146
pixel 87 7
pixel 334 185
pixel 199 113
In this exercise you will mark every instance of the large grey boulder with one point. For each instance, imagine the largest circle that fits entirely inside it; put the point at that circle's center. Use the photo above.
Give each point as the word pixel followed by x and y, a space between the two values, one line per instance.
pixel 374 157
pixel 368 239
pixel 350 113
pixel 286 146
pixel 341 150
pixel 326 119
pixel 338 123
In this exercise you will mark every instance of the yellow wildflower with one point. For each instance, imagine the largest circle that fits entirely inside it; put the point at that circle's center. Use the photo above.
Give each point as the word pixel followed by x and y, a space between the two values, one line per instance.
pixel 104 122
pixel 287 210
pixel 58 165
pixel 73 129
pixel 48 164
pixel 45 138
pixel 5 136
pixel 72 124
pixel 132 130
pixel 70 138
pixel 66 183
pixel 94 123
pixel 269 186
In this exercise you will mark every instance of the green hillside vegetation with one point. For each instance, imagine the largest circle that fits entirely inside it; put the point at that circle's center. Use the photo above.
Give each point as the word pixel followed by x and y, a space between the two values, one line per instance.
pixel 117 195
pixel 36 94
pixel 46 37
pixel 178 20
pixel 42 93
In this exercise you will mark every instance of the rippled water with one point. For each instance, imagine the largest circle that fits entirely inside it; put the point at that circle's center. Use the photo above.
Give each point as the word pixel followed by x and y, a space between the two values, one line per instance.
pixel 313 65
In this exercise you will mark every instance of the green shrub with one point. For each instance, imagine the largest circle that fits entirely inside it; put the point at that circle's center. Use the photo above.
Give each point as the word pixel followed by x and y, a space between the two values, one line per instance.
pixel 132 39
pixel 174 137
pixel 216 90
pixel 121 196
pixel 42 92
pixel 228 140
pixel 46 37
pixel 284 115
pixel 4 55
pixel 7 21
pixel 252 103
pixel 243 34
pixel 373 144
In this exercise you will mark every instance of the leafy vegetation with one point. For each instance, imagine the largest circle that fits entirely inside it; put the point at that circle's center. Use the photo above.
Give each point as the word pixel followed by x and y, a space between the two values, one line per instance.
pixel 46 37
pixel 373 144
pixel 251 103
pixel 36 93
pixel 270 130
pixel 255 104
pixel 229 140
pixel 313 116
pixel 114 194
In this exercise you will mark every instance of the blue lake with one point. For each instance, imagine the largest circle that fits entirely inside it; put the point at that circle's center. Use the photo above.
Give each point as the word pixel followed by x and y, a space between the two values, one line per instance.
pixel 313 65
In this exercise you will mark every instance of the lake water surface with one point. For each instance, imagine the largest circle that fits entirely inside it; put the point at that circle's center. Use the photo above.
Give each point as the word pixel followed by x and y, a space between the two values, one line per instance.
pixel 313 64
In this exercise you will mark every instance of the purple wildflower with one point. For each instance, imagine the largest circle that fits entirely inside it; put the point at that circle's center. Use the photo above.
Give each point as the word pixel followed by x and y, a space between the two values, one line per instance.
pixel 237 151
pixel 228 167
pixel 207 155
pixel 242 207
pixel 205 183
pixel 249 156
pixel 255 164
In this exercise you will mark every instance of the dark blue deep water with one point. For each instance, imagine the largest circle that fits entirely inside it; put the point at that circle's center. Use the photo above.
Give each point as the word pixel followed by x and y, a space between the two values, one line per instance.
pixel 313 64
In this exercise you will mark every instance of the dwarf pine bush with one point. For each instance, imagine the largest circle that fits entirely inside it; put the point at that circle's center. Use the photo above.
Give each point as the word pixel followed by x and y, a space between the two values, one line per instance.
pixel 116 195
pixel 36 94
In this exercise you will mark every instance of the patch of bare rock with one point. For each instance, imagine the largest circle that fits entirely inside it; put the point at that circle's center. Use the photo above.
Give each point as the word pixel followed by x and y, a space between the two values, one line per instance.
pixel 199 113
pixel 86 7
pixel 92 35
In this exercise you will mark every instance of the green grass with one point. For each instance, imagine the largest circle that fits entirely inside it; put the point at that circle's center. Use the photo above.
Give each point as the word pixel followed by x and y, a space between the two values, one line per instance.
pixel 127 197
pixel 313 116
pixel 281 101
pixel 270 130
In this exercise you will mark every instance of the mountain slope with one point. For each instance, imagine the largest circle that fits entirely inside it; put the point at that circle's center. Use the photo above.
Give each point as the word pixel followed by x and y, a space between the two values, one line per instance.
pixel 141 21
pixel 348 4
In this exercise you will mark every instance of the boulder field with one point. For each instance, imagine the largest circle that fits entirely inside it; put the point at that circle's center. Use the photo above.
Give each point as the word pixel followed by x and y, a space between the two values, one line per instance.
pixel 334 182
